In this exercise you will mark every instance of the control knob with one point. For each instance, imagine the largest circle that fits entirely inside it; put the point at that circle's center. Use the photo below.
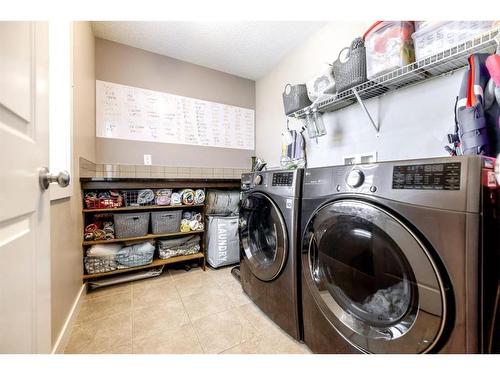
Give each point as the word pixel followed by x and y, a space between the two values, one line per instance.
pixel 257 179
pixel 355 178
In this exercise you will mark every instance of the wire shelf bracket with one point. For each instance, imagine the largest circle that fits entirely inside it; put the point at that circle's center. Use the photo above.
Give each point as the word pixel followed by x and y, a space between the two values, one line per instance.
pixel 367 112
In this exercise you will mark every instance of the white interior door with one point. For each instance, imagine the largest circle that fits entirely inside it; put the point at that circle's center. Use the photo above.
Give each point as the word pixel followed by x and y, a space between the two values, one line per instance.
pixel 24 207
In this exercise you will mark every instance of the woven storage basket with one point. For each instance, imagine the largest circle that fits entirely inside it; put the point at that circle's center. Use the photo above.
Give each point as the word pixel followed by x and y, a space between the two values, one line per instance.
pixel 166 221
pixel 131 225
pixel 352 71
pixel 296 98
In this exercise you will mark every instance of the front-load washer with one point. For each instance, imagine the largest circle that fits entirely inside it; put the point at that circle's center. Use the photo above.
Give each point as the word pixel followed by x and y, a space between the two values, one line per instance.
pixel 269 229
pixel 397 256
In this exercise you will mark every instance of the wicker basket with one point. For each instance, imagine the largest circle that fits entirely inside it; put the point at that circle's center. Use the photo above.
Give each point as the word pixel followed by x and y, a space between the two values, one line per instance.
pixel 131 225
pixel 166 221
pixel 352 71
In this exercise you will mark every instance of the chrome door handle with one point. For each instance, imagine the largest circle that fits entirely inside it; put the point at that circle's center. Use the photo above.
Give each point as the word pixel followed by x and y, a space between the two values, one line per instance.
pixel 46 178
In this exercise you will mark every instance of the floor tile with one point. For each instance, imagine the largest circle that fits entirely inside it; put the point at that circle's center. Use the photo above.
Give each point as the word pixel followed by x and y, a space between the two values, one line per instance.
pixel 195 283
pixel 179 312
pixel 179 340
pixel 104 306
pixel 149 320
pixel 157 292
pixel 206 303
pixel 223 276
pixel 108 290
pixel 258 319
pixel 269 345
pixel 235 293
pixel 122 349
pixel 177 274
pixel 222 331
pixel 101 335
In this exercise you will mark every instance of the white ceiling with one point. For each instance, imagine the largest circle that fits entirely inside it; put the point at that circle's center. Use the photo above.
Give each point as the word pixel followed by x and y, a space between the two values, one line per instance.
pixel 246 49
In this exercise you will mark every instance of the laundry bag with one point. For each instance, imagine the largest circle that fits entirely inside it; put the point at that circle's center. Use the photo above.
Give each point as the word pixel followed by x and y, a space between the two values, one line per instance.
pixel 221 241
pixel 222 202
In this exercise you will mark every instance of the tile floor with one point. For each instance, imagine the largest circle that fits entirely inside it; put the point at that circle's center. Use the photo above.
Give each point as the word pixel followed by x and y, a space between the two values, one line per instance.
pixel 179 312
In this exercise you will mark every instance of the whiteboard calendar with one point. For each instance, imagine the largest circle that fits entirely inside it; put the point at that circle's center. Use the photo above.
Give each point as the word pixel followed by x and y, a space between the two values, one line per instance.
pixel 132 113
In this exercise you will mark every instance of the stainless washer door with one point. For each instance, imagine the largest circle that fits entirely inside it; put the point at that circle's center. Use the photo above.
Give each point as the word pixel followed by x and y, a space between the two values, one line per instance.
pixel 263 236
pixel 373 279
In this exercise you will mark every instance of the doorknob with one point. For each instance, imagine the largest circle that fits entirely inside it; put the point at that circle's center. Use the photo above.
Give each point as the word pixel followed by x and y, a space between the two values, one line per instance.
pixel 46 178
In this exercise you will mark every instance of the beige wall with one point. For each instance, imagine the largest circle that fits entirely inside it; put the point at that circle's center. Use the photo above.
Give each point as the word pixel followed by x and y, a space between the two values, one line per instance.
pixel 413 121
pixel 66 214
pixel 299 66
pixel 126 65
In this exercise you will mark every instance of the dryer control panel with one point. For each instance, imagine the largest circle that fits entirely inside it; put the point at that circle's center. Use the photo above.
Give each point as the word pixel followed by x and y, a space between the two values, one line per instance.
pixel 282 179
pixel 439 176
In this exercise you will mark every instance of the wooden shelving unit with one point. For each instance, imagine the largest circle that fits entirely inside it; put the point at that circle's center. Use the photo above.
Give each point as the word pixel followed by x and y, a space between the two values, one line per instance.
pixel 149 183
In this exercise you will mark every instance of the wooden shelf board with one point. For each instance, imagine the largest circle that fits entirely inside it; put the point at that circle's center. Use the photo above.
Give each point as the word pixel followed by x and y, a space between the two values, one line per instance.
pixel 139 208
pixel 151 183
pixel 155 263
pixel 146 237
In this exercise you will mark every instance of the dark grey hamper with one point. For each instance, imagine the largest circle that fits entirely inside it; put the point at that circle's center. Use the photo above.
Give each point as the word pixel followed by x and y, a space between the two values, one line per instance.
pixel 131 225
pixel 296 98
pixel 166 221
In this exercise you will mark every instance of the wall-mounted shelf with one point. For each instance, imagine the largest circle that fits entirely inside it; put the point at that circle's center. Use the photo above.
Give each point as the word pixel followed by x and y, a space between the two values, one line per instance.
pixel 430 67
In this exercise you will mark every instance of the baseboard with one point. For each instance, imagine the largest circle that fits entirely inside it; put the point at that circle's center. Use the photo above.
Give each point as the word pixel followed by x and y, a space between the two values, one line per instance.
pixel 63 338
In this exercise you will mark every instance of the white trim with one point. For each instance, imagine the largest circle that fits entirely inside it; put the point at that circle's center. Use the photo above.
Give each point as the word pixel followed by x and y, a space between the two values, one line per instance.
pixel 56 192
pixel 65 333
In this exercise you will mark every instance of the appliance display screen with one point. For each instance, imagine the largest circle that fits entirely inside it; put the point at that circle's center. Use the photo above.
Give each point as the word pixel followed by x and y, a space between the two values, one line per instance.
pixel 441 176
pixel 283 179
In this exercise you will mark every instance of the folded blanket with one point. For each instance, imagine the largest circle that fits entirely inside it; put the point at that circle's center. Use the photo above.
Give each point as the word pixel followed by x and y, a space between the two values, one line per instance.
pixel 103 250
pixel 135 255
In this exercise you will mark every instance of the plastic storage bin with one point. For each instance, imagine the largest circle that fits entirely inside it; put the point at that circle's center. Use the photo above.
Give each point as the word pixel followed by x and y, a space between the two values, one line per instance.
pixel 166 221
pixel 434 37
pixel 388 46
pixel 131 225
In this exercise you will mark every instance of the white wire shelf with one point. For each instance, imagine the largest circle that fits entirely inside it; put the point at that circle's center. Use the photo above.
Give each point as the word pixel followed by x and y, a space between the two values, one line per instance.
pixel 430 67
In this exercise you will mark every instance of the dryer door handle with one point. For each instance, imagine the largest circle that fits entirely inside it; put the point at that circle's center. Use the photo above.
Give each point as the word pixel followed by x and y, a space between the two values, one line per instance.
pixel 313 259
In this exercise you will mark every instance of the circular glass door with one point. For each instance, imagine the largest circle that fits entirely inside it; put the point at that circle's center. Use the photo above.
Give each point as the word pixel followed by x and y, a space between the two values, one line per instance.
pixel 373 279
pixel 263 236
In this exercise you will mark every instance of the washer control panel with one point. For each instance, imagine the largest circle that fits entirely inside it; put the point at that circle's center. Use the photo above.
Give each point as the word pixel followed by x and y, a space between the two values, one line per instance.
pixel 355 178
pixel 282 179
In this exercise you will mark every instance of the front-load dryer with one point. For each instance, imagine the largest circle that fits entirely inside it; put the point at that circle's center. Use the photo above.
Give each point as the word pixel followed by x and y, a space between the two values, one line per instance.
pixel 396 256
pixel 269 229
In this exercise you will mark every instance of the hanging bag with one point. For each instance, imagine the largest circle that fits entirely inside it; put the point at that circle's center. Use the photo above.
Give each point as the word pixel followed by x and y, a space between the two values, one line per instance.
pixel 351 70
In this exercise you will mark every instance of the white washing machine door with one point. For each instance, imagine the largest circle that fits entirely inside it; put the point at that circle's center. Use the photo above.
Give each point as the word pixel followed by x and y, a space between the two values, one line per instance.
pixel 373 279
pixel 263 236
